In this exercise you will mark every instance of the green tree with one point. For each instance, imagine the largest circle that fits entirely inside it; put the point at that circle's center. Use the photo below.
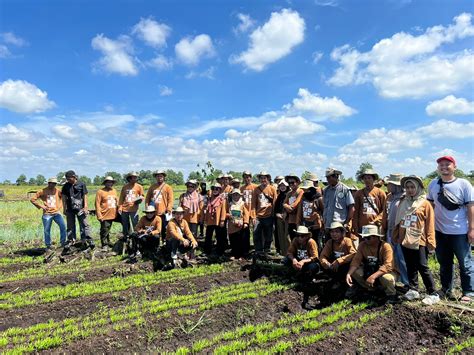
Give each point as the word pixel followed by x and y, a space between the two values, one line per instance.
pixel 21 180
pixel 60 175
pixel 235 174
pixel 363 167
pixel 458 173
pixel 40 179
pixel 85 179
pixel 209 172
pixel 117 176
pixel 174 178
pixel 305 175
pixel 145 177
pixel 7 182
pixel 98 180
pixel 195 175
pixel 32 181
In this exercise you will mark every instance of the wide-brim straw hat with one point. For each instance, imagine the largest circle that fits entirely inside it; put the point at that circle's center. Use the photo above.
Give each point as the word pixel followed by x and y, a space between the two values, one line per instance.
pixel 395 179
pixel 236 191
pixel 332 171
pixel 235 181
pixel 412 177
pixel 307 184
pixel 109 178
pixel 178 210
pixel 369 230
pixel 313 177
pixel 283 182
pixel 264 173
pixel 150 209
pixel 216 184
pixel 246 173
pixel 279 177
pixel 371 172
pixel 336 225
pixel 53 180
pixel 294 176
pixel 158 172
pixel 132 173
pixel 191 182
pixel 302 230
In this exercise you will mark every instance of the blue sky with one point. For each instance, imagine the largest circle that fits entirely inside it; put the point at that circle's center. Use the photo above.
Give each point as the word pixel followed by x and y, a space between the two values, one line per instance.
pixel 280 86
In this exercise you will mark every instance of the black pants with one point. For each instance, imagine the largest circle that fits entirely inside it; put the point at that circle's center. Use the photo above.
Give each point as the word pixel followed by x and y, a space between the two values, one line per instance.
pixel 201 229
pixel 221 238
pixel 417 262
pixel 105 232
pixel 239 244
pixel 193 227
pixel 164 223
pixel 246 239
pixel 340 274
pixel 292 230
pixel 145 243
pixel 275 236
pixel 174 245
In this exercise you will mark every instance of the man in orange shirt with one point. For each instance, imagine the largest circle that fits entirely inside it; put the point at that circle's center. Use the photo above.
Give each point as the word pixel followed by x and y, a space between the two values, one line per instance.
pixel 160 195
pixel 106 209
pixel 52 204
pixel 179 238
pixel 130 198
pixel 146 238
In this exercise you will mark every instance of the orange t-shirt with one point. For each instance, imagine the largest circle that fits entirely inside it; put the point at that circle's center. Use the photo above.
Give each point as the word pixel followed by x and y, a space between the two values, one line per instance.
pixel 130 192
pixel 106 204
pixel 51 199
pixel 162 196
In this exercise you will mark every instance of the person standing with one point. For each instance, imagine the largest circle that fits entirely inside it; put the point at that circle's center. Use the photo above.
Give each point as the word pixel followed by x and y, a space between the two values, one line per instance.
pixel 395 193
pixel 238 219
pixel 369 202
pixel 338 202
pixel 192 203
pixel 292 202
pixel 106 202
pixel 130 198
pixel 160 195
pixel 453 201
pixel 247 192
pixel 282 240
pixel 214 218
pixel 310 211
pixel 51 206
pixel 74 194
pixel 263 200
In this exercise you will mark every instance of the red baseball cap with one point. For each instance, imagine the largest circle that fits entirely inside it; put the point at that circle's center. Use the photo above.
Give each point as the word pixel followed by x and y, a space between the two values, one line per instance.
pixel 448 158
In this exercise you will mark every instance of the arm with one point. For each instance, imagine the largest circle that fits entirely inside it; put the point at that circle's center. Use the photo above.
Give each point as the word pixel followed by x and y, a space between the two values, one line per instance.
pixel 350 214
pixel 470 221
pixel 98 212
pixel 35 203
pixel 430 227
pixel 148 196
pixel 189 234
pixel 169 204
pixel 348 257
pixel 172 233
pixel 325 255
pixel 357 211
pixel 223 208
pixel 157 224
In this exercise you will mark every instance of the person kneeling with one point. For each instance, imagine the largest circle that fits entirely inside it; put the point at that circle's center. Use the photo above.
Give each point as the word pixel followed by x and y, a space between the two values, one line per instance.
pixel 303 254
pixel 179 238
pixel 373 265
pixel 337 254
pixel 146 238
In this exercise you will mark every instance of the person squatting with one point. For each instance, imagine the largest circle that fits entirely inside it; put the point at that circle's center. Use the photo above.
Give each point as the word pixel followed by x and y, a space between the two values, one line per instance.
pixel 362 240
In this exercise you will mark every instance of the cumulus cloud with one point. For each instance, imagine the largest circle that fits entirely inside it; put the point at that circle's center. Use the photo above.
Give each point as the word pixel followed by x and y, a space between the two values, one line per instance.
pixel 273 40
pixel 4 51
pixel 116 55
pixel 151 32
pixel 406 65
pixel 11 133
pixel 23 97
pixel 11 38
pixel 289 127
pixel 207 74
pixel 165 91
pixel 448 129
pixel 64 131
pixel 160 63
pixel 319 107
pixel 450 106
pixel 246 23
pixel 191 50
pixel 88 127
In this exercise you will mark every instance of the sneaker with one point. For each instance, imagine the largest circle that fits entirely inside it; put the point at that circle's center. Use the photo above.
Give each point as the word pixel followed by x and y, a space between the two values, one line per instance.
pixel 431 299
pixel 412 295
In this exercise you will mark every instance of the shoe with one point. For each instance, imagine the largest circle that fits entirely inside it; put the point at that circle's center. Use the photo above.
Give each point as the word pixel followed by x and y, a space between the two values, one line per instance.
pixel 431 299
pixel 394 299
pixel 412 295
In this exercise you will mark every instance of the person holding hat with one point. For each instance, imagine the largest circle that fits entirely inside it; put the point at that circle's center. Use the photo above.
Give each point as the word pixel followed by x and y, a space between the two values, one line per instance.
pixel 282 240
pixel 369 202
pixel 310 211
pixel 313 177
pixel 453 202
pixel 106 209
pixel 51 205
pixel 130 198
pixel 192 203
pixel 146 238
pixel 179 237
pixel 74 194
pixel 263 200
pixel 247 192
pixel 395 194
pixel 160 195
pixel 338 201
pixel 238 219
pixel 302 254
pixel 414 230
pixel 337 253
pixel 373 265
pixel 214 218
pixel 292 202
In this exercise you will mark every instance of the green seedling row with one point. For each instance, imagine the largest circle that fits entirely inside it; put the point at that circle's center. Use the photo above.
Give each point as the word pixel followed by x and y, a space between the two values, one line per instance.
pixel 11 300
pixel 60 269
pixel 20 260
pixel 462 347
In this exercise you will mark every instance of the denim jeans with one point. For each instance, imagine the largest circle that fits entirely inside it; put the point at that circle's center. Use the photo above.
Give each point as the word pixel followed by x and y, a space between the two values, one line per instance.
pixel 126 217
pixel 263 235
pixel 47 221
pixel 448 245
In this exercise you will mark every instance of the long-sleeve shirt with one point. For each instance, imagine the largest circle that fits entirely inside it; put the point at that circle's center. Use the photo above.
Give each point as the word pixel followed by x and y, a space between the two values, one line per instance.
pixel 422 220
pixel 300 252
pixel 237 215
pixel 384 257
pixel 309 211
pixel 152 225
pixel 218 215
pixel 194 217
pixel 179 231
pixel 129 194
pixel 247 192
pixel 51 198
pixel 293 200
pixel 364 207
pixel 106 204
pixel 343 252
pixel 162 197
pixel 389 214
pixel 262 206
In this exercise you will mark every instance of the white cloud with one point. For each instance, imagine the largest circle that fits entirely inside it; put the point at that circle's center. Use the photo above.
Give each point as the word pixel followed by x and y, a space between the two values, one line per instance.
pixel 272 41
pixel 317 56
pixel 207 74
pixel 246 23
pixel 116 55
pixel 15 152
pixel 165 91
pixel 23 97
pixel 11 38
pixel 4 51
pixel 289 127
pixel 12 133
pixel 151 32
pixel 190 50
pixel 410 66
pixel 160 63
pixel 81 152
pixel 319 107
pixel 88 127
pixel 450 106
pixel 324 3
pixel 448 129
pixel 64 131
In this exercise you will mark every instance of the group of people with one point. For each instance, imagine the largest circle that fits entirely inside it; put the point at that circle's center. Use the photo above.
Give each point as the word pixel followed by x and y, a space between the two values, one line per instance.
pixel 362 239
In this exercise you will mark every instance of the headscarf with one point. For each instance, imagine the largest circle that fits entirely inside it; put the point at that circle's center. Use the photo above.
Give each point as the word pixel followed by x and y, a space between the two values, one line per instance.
pixel 191 201
pixel 213 203
pixel 408 205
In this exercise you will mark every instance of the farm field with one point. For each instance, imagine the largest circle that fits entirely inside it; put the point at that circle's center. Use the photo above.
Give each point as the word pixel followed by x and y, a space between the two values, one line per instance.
pixel 96 302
